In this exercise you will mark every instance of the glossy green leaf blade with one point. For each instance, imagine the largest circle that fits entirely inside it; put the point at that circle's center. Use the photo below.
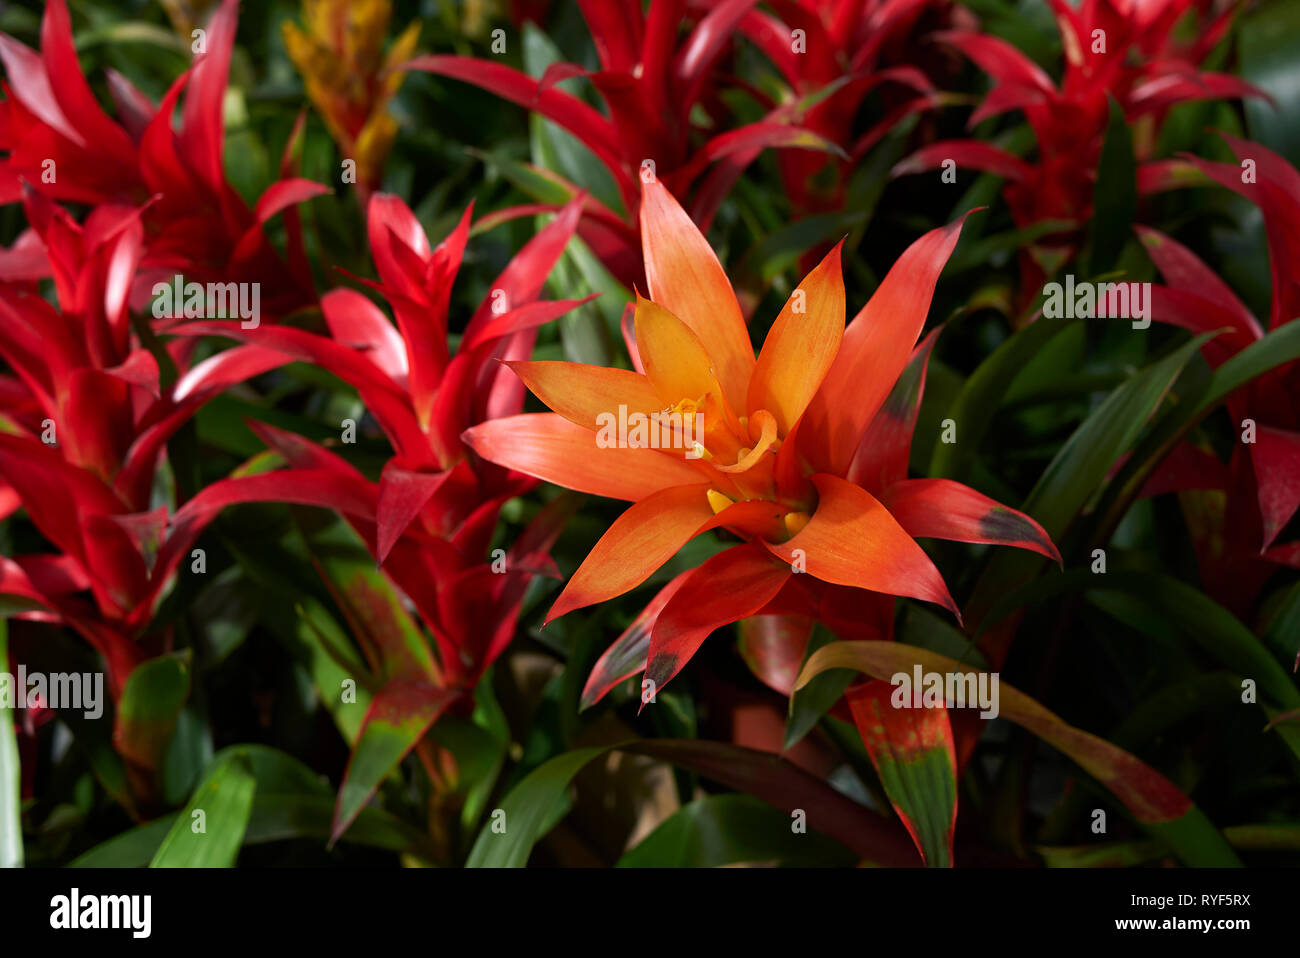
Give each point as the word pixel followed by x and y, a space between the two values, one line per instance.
pixel 371 605
pixel 508 836
pixel 1115 195
pixel 1085 458
pixel 913 753
pixel 152 700
pixel 533 802
pixel 1161 606
pixel 1278 347
pixel 1079 468
pixel 810 703
pixel 291 801
pixel 11 821
pixel 982 394
pixel 1152 799
pixel 397 719
pixel 133 848
pixel 225 799
pixel 722 830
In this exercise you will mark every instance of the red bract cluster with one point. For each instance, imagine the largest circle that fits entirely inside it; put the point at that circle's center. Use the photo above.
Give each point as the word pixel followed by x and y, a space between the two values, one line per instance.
pixel 430 519
pixel 1115 51
pixel 652 85
pixel 61 144
pixel 834 54
pixel 1237 542
pixel 86 420
pixel 88 413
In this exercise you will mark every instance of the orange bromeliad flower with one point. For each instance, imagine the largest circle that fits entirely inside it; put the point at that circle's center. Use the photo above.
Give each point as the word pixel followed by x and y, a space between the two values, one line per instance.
pixel 797 452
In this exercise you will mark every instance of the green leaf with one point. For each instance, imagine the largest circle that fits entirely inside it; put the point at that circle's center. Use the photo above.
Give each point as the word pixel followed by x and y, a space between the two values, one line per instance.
pixel 373 609
pixel 188 753
pixel 152 699
pixel 1109 855
pixel 1114 198
pixel 1079 468
pixel 1085 458
pixel 914 755
pixel 291 802
pixel 398 717
pixel 555 148
pixel 782 249
pixel 534 801
pixel 1153 800
pixel 11 819
pixel 479 745
pixel 1278 347
pixel 809 704
pixel 330 659
pixel 1264 837
pixel 134 848
pixel 977 255
pixel 225 798
pixel 980 397
pixel 1188 611
pixel 722 830
pixel 1255 838
pixel 1162 606
pixel 1266 43
pixel 511 831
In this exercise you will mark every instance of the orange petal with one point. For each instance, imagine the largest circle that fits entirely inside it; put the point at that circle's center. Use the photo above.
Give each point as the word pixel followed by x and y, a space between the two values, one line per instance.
pixel 649 534
pixel 801 346
pixel 686 278
pixel 734 584
pixel 875 348
pixel 553 449
pixel 675 360
pixel 582 393
pixel 642 539
pixel 853 540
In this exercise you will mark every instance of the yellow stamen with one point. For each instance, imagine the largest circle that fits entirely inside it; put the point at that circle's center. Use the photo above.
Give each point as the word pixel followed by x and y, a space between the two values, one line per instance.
pixel 795 521
pixel 718 501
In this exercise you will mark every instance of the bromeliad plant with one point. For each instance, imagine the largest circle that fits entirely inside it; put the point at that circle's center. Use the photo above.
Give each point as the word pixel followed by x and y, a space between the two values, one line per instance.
pixel 1237 541
pixel 318 555
pixel 82 434
pixel 430 519
pixel 350 79
pixel 61 144
pixel 1115 52
pixel 833 55
pixel 654 88
pixel 800 456
pixel 803 457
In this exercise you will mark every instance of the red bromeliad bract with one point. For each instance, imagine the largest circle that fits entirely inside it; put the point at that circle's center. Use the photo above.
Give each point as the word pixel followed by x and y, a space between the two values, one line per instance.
pixel 651 85
pixel 1237 545
pixel 834 54
pixel 83 424
pixel 62 144
pixel 1070 120
pixel 430 519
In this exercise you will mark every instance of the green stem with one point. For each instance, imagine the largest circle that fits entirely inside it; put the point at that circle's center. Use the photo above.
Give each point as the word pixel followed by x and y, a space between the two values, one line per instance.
pixel 11 824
